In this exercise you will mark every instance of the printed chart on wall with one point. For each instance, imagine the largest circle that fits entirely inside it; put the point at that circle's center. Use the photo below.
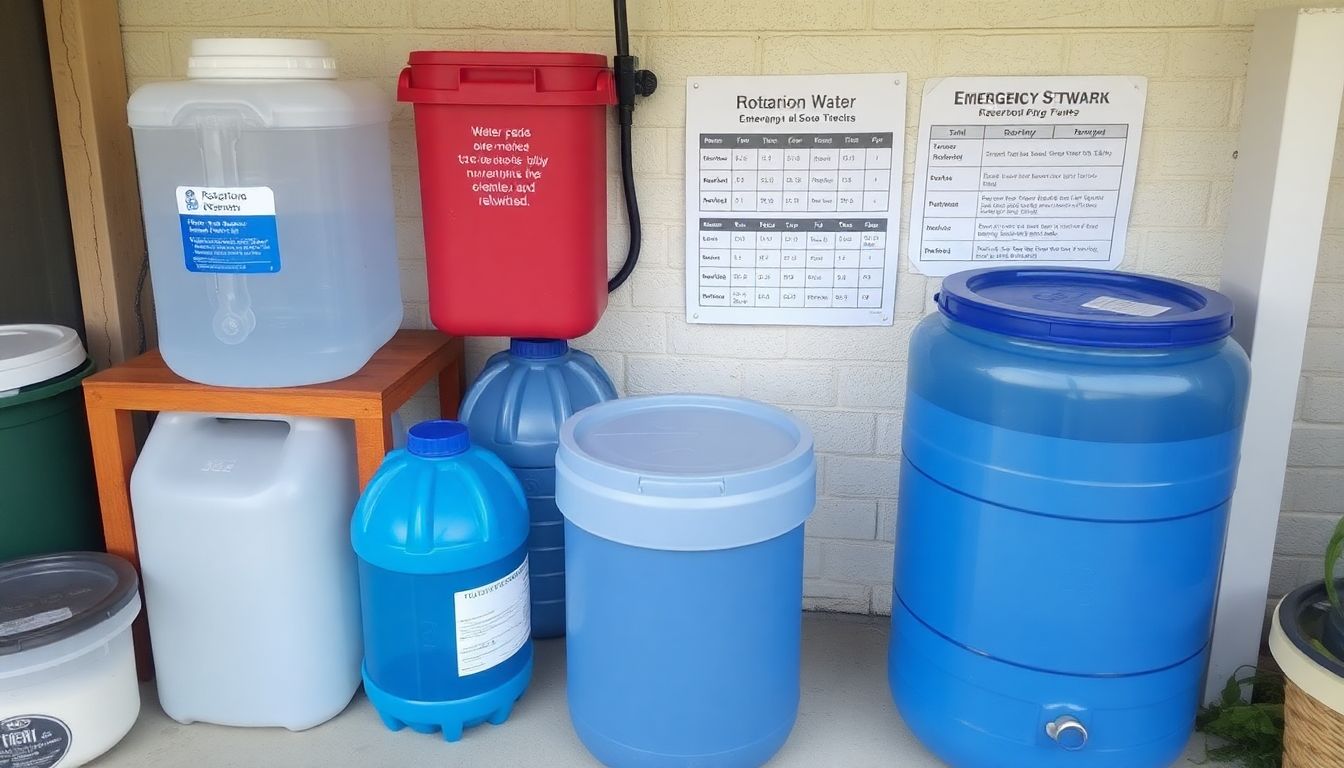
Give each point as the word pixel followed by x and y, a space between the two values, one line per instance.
pixel 1025 170
pixel 793 198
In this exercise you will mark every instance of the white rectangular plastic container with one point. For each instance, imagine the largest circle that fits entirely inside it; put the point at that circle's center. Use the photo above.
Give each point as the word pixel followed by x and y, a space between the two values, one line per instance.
pixel 250 582
pixel 267 194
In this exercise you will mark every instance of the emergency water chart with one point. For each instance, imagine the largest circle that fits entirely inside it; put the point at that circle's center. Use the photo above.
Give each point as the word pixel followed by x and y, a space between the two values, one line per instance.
pixel 1025 170
pixel 793 198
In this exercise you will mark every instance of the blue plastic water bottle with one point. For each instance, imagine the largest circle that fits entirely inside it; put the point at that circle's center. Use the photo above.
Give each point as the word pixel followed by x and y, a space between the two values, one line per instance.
pixel 515 409
pixel 441 534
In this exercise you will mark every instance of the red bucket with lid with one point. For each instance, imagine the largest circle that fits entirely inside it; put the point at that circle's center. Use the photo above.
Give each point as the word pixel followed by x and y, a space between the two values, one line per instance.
pixel 513 176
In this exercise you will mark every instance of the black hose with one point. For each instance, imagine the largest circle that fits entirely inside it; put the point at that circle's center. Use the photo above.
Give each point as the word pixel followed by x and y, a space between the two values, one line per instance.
pixel 622 29
pixel 626 86
pixel 631 210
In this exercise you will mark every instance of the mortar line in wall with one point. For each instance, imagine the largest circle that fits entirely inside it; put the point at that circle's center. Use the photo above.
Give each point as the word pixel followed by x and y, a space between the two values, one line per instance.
pixel 972 31
pixel 1168 46
pixel 441 31
pixel 1334 425
pixel 869 13
pixel 779 32
pixel 1058 30
pixel 1317 424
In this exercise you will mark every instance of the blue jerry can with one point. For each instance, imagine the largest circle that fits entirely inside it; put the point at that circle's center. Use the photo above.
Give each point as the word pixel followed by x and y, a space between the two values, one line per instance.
pixel 441 535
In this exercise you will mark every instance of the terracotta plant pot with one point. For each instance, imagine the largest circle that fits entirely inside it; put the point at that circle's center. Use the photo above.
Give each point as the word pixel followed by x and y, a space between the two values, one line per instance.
pixel 1313 735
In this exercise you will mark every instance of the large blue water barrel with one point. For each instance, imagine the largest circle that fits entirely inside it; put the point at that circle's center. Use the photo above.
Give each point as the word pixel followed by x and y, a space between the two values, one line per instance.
pixel 441 535
pixel 1070 445
pixel 515 409
pixel 684 543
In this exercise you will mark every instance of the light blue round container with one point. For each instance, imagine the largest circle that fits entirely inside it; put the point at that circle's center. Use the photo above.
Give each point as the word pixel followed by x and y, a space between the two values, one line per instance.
pixel 514 409
pixel 684 559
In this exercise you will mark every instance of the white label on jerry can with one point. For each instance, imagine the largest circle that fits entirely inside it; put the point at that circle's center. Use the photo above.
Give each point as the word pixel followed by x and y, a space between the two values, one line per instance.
pixel 493 622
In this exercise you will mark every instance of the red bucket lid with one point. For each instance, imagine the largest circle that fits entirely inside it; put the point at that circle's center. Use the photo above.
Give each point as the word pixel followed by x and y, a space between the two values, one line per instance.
pixel 509 58
pixel 507 78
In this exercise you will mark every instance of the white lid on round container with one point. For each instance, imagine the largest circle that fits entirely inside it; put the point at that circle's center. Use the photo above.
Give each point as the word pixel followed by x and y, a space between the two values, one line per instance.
pixel 284 83
pixel 260 58
pixel 30 354
pixel 54 608
pixel 685 472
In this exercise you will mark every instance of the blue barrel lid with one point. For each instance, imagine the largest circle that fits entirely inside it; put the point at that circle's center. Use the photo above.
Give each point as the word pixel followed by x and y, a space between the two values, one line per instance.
pixel 538 349
pixel 1086 307
pixel 685 472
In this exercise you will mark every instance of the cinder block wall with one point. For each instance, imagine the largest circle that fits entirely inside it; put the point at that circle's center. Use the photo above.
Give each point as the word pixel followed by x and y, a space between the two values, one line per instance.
pixel 847 383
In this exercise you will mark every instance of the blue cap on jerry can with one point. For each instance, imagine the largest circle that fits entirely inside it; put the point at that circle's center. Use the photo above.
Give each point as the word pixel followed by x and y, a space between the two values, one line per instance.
pixel 538 349
pixel 438 438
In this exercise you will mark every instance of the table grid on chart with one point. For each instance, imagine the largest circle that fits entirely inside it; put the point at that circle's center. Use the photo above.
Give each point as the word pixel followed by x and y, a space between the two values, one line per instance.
pixel 794 262
pixel 802 172
pixel 804 263
pixel 1022 191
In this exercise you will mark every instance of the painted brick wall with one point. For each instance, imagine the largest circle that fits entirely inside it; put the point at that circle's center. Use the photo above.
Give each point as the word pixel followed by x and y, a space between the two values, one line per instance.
pixel 848 384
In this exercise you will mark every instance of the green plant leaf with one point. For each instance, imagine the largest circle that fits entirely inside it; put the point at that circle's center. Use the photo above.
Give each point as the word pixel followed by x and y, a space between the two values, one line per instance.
pixel 1253 731
pixel 1333 550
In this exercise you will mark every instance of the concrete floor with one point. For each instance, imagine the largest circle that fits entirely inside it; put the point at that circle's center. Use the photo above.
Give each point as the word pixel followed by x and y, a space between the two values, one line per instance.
pixel 846 719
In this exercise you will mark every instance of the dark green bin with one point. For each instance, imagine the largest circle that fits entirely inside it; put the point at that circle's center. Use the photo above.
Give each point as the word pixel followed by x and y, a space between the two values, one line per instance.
pixel 48 502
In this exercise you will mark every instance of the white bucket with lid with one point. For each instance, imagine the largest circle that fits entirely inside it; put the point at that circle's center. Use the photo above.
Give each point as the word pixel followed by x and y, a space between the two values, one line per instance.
pixel 32 354
pixel 68 689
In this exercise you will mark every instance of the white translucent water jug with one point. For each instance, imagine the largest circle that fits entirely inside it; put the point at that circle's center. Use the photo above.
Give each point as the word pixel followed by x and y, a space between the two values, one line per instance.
pixel 267 193
pixel 251 587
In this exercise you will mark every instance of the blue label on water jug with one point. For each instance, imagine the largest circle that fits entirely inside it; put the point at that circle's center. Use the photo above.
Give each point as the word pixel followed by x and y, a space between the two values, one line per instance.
pixel 229 229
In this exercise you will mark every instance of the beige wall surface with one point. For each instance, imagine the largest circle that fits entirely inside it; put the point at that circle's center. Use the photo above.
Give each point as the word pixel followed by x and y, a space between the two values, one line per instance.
pixel 847 383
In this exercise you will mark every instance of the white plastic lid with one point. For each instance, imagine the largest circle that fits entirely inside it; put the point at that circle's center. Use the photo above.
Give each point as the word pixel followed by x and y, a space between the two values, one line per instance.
pixel 54 608
pixel 685 472
pixel 34 353
pixel 260 58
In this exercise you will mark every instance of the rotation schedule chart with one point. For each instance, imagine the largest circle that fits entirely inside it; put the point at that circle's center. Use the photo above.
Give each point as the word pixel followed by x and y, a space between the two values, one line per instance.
pixel 792 263
pixel 1035 170
pixel 793 188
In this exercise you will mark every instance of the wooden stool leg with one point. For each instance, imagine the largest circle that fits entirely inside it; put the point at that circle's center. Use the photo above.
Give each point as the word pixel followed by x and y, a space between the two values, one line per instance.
pixel 112 435
pixel 373 439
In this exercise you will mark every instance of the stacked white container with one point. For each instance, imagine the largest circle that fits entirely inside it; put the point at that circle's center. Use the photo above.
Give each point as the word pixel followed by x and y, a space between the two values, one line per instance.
pixel 267 193
pixel 250 582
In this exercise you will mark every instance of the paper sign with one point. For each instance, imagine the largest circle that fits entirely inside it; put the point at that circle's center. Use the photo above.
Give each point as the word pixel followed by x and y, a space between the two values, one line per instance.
pixel 1025 170
pixel 793 198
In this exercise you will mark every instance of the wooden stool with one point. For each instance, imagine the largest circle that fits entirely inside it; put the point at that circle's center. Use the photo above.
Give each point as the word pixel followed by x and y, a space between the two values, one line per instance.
pixel 368 398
